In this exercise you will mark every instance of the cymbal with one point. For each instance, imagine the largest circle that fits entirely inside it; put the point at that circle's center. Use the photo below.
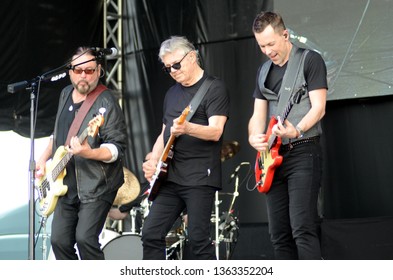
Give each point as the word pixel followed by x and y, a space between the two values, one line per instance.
pixel 130 189
pixel 229 149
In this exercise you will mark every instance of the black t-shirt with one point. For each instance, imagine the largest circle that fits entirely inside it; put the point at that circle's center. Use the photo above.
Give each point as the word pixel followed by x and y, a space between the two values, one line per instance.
pixel 67 116
pixel 314 73
pixel 195 161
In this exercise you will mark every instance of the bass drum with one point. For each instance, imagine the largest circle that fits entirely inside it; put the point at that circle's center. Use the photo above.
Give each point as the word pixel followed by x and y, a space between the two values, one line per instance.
pixel 124 247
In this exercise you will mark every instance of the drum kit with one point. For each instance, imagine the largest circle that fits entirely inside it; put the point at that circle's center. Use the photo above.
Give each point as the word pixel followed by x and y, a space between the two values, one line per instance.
pixel 121 243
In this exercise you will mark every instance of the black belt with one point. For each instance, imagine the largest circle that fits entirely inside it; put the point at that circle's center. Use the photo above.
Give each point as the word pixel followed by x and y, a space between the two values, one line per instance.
pixel 291 145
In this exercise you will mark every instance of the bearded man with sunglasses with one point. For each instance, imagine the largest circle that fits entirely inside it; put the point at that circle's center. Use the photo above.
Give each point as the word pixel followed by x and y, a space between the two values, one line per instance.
pixel 94 172
pixel 194 171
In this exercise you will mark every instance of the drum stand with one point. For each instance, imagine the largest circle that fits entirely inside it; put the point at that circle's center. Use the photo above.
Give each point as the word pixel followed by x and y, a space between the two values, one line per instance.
pixel 227 228
pixel 133 214
pixel 44 238
pixel 216 221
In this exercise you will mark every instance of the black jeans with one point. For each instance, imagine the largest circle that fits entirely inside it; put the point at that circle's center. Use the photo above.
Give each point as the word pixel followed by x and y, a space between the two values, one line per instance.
pixel 292 203
pixel 170 202
pixel 79 223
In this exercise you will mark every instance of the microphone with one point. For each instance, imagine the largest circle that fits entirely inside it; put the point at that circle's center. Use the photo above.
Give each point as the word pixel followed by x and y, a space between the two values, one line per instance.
pixel 105 51
pixel 12 88
pixel 238 168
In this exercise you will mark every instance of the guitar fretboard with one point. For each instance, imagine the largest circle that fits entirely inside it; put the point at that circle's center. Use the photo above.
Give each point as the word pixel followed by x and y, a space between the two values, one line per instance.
pixel 64 161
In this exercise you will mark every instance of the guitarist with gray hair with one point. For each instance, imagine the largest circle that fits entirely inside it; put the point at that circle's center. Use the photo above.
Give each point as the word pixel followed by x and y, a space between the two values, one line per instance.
pixel 185 168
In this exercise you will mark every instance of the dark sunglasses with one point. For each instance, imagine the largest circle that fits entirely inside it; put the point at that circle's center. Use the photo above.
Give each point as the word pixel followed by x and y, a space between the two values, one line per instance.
pixel 88 71
pixel 175 66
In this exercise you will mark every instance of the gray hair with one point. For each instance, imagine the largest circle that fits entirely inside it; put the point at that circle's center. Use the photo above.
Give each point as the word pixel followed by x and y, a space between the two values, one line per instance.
pixel 175 43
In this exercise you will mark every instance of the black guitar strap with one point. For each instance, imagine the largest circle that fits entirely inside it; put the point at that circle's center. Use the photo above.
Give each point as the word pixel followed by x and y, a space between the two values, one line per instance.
pixel 196 100
pixel 295 65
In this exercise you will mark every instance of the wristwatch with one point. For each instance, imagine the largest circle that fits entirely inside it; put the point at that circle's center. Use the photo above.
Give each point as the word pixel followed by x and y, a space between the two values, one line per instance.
pixel 300 132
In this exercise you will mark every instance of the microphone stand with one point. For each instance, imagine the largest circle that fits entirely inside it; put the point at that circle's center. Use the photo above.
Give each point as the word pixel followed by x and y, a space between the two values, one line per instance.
pixel 33 86
pixel 31 248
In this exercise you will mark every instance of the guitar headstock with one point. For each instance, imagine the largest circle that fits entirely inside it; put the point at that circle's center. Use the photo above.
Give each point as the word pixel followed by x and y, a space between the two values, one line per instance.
pixel 95 124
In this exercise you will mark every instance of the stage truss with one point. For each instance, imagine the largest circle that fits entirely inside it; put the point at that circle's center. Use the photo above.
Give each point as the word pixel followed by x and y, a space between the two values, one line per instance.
pixel 113 15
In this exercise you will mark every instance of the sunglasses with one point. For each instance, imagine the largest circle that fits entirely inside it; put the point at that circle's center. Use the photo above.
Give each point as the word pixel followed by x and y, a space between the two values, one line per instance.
pixel 88 71
pixel 175 66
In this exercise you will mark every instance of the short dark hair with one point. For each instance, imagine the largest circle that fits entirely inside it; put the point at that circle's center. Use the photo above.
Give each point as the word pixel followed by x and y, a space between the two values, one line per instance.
pixel 264 19
pixel 89 51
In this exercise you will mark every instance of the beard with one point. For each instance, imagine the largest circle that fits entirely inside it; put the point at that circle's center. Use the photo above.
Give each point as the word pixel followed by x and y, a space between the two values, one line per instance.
pixel 83 87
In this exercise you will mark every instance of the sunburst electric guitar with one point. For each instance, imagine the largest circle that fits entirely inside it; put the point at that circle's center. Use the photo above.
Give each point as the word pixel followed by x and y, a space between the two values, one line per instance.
pixel 50 187
pixel 267 161
pixel 162 166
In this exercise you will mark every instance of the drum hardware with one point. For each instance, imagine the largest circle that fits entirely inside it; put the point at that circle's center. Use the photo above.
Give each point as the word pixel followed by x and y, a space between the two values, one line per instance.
pixel 226 226
pixel 44 238
pixel 175 251
pixel 114 225
pixel 145 207
pixel 134 216
pixel 216 221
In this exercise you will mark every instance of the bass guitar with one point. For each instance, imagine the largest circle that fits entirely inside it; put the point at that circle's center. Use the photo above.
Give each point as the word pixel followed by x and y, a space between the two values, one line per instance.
pixel 50 187
pixel 267 161
pixel 162 166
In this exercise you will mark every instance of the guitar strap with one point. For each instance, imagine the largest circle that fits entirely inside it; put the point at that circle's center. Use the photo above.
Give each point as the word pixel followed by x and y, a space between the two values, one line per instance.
pixel 80 116
pixel 196 100
pixel 295 65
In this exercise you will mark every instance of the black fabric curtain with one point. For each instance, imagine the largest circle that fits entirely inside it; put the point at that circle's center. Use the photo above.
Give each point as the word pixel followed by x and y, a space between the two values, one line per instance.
pixel 358 158
pixel 39 36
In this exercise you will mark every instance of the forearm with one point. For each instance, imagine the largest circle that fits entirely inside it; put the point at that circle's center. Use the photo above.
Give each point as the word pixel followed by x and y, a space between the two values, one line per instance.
pixel 204 132
pixel 158 148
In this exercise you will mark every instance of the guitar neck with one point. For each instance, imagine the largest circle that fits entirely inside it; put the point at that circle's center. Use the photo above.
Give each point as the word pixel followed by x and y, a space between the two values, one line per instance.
pixel 172 138
pixel 61 165
pixel 64 161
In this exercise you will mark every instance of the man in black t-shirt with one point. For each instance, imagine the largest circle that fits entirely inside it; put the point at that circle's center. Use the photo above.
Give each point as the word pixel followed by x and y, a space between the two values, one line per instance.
pixel 293 194
pixel 194 172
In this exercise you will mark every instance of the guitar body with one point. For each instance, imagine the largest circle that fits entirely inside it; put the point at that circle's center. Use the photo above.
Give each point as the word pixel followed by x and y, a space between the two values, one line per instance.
pixel 159 176
pixel 51 189
pixel 267 162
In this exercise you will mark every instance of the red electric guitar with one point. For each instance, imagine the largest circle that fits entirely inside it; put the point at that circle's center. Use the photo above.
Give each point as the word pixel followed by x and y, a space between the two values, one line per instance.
pixel 268 160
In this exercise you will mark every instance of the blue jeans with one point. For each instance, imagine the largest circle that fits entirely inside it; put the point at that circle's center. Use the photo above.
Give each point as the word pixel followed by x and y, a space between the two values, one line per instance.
pixel 292 204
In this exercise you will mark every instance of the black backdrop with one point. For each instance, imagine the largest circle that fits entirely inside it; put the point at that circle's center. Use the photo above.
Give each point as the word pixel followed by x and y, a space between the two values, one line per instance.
pixel 40 35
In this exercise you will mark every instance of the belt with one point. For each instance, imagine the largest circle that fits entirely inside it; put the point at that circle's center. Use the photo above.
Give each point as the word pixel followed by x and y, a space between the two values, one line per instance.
pixel 291 145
